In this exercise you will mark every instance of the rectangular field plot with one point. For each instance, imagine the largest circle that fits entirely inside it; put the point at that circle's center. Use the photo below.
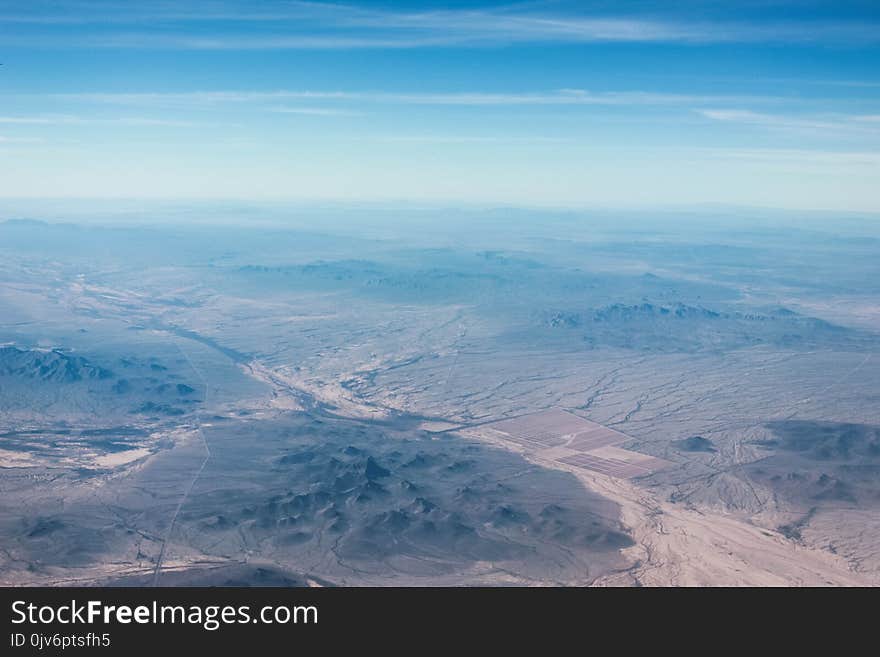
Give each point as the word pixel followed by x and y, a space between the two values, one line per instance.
pixel 599 437
pixel 551 428
pixel 566 438
pixel 608 466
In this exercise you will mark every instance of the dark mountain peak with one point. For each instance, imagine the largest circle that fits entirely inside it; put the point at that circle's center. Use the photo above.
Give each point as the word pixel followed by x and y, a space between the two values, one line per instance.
pixel 48 365
pixel 373 470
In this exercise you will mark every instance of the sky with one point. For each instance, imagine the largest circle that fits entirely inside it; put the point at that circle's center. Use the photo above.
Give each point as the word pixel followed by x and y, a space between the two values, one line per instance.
pixel 649 103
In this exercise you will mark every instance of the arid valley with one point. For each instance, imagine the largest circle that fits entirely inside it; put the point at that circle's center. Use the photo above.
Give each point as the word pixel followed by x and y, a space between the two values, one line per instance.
pixel 496 398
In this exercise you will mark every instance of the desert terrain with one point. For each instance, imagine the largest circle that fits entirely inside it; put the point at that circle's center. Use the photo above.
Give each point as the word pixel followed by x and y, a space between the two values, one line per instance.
pixel 497 398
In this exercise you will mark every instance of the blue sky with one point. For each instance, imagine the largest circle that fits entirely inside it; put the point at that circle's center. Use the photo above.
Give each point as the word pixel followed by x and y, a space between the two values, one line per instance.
pixel 643 104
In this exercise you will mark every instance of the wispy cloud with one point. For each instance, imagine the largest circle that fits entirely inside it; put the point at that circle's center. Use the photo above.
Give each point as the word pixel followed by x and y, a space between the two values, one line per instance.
pixel 78 120
pixel 198 98
pixel 464 139
pixel 559 97
pixel 27 120
pixel 318 25
pixel 316 111
pixel 835 123
pixel 796 156
pixel 20 140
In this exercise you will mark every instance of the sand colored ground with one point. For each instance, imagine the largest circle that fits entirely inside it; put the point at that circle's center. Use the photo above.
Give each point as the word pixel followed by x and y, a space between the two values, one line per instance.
pixel 678 546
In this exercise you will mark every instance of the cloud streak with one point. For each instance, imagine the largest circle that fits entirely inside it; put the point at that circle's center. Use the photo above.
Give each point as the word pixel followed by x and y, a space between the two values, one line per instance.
pixel 835 123
pixel 562 97
pixel 78 120
pixel 316 111
pixel 20 140
pixel 795 156
pixel 318 25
